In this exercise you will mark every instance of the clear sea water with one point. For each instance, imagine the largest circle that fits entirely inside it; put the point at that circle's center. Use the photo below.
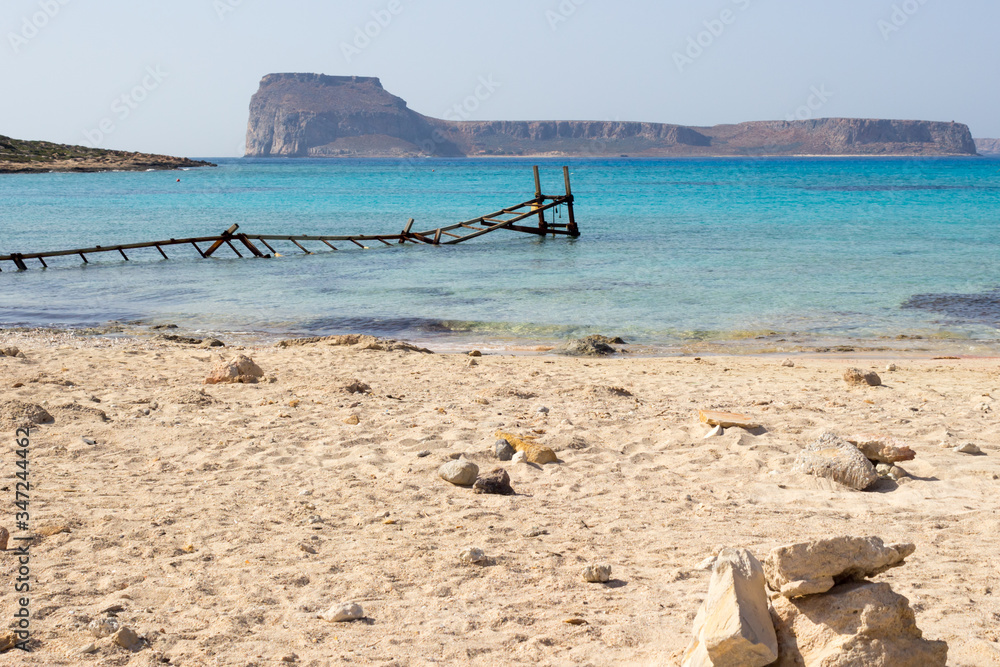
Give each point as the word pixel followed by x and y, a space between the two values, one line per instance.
pixel 672 253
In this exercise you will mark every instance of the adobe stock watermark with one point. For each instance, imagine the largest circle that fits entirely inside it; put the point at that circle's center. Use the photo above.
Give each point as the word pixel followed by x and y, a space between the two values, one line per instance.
pixel 901 15
pixel 365 35
pixel 123 106
pixel 464 110
pixel 817 100
pixel 224 8
pixel 32 25
pixel 714 29
pixel 562 13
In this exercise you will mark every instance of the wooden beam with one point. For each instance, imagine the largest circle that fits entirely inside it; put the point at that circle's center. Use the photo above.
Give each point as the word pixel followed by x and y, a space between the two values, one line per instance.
pixel 233 248
pixel 329 244
pixel 406 230
pixel 300 247
pixel 251 247
pixel 84 258
pixel 44 265
pixel 437 236
pixel 198 249
pixel 273 251
pixel 161 252
pixel 225 235
pixel 122 252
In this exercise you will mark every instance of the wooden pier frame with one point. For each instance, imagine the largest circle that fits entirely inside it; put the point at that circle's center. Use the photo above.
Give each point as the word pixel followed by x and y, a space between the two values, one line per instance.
pixel 513 218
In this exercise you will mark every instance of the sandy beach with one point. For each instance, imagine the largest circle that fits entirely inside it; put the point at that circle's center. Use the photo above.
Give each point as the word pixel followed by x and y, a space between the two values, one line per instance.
pixel 219 521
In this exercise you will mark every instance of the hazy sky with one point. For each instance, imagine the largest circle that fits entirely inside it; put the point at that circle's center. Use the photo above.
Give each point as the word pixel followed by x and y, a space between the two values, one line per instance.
pixel 177 77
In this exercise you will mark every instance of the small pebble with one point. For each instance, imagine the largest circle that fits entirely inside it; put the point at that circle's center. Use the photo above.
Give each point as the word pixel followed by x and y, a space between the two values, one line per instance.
pixel 788 363
pixel 305 492
pixel 520 457
pixel 496 482
pixel 891 368
pixel 472 556
pixel 103 627
pixel 715 432
pixel 969 448
pixel 475 353
pixel 542 410
pixel 127 639
pixel 423 454
pixel 343 613
pixel 352 420
pixel 308 548
pixel 597 574
pixel 88 441
pixel 89 648
pixel 706 564
pixel 291 657
pixel 471 363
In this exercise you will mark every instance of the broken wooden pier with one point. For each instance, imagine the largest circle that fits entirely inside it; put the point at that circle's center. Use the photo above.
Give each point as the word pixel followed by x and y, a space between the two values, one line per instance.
pixel 527 217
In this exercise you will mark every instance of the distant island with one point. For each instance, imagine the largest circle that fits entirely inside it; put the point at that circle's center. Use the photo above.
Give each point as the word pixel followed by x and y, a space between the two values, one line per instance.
pixel 33 157
pixel 314 115
pixel 988 146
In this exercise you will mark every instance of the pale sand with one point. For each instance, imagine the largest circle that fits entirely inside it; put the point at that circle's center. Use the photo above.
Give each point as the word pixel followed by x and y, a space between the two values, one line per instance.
pixel 638 487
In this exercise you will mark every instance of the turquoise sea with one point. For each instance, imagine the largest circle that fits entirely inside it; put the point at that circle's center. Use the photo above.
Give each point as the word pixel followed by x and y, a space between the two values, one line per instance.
pixel 673 253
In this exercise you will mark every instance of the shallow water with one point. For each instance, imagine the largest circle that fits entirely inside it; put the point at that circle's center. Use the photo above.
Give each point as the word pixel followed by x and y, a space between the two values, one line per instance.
pixel 673 252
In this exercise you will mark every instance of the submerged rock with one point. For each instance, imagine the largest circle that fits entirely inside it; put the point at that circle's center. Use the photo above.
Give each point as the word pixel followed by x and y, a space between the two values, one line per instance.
pixel 591 346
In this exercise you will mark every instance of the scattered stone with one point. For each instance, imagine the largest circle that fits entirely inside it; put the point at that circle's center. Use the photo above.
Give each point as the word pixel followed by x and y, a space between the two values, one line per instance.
pixel 89 648
pixel 127 639
pixel 969 448
pixel 707 564
pixel 475 353
pixel 726 419
pixel 891 368
pixel 715 432
pixel 882 448
pixel 503 451
pixel 8 640
pixel 542 410
pixel 88 441
pixel 161 327
pixel 809 568
pixel 11 351
pixel 839 460
pixel 856 376
pixel 472 556
pixel 308 548
pixel 291 657
pixel 352 420
pixel 358 342
pixel 52 529
pixel 591 346
pixel 103 627
pixel 597 574
pixel 423 454
pixel 183 340
pixel 576 621
pixel 471 363
pixel 520 457
pixel 496 482
pixel 854 624
pixel 788 363
pixel 22 413
pixel 239 369
pixel 343 613
pixel 357 387
pixel 459 473
pixel 4 538
pixel 534 452
pixel 733 626
pixel 535 531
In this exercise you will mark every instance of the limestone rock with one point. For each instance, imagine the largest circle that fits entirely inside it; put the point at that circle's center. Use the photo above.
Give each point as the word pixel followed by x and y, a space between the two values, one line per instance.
pixel 503 451
pixel 357 342
pixel 882 448
pixel 343 613
pixel 520 457
pixel 496 482
pixel 788 363
pixel 4 537
pixel 459 473
pixel 534 452
pixel 591 346
pixel 839 460
pixel 726 419
pixel 597 574
pixel 969 448
pixel 854 624
pixel 733 627
pixel 472 556
pixel 856 376
pixel 357 387
pixel 808 568
pixel 103 627
pixel 11 351
pixel 239 369
pixel 127 639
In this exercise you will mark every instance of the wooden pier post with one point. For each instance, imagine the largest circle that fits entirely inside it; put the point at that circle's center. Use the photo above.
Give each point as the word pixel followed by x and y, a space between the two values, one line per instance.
pixel 573 230
pixel 542 225
pixel 18 260
pixel 406 232
pixel 218 244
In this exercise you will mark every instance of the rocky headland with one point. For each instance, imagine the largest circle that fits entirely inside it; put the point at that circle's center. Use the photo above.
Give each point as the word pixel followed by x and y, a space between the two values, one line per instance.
pixel 32 157
pixel 313 115
pixel 988 146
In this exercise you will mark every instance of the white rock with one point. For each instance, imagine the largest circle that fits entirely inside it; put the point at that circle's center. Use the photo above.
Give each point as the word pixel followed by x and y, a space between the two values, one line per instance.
pixel 969 448
pixel 706 564
pixel 715 432
pixel 89 648
pixel 891 368
pixel 788 363
pixel 542 410
pixel 597 574
pixel 459 473
pixel 342 613
pixel 520 457
pixel 103 627
pixel 472 556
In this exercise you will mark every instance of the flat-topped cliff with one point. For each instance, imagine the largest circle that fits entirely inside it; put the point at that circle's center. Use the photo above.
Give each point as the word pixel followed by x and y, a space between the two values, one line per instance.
pixel 314 115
